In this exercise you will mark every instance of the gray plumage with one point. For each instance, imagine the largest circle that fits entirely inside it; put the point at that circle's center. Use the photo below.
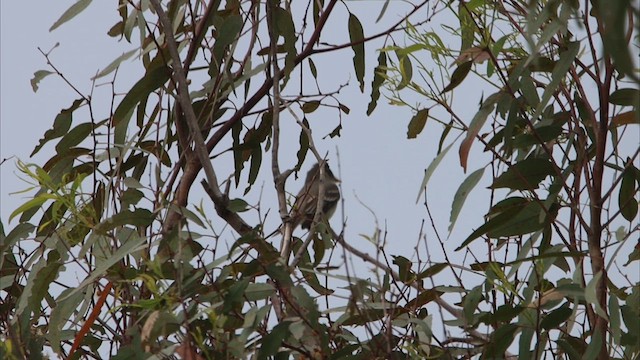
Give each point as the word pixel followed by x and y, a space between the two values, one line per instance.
pixel 304 209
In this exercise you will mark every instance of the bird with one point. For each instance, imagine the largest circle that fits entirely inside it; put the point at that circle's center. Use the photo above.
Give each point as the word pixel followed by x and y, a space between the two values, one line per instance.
pixel 306 204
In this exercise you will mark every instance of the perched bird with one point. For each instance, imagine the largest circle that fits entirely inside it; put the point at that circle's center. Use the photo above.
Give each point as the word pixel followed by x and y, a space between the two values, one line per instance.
pixel 304 209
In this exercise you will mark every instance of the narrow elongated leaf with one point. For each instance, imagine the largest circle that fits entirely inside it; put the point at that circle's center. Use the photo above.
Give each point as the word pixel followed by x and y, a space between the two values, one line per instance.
pixel 458 76
pixel 417 123
pixel 461 195
pixel 379 74
pixel 61 125
pixel 524 175
pixel 133 245
pixel 286 28
pixel 559 71
pixel 430 169
pixel 474 128
pixel 627 195
pixel 60 314
pixel 70 13
pixel 74 137
pixel 555 318
pixel 356 36
pixel 591 297
pixel 152 80
pixel 138 217
pixel 626 97
pixel 626 118
pixel 115 64
pixel 227 34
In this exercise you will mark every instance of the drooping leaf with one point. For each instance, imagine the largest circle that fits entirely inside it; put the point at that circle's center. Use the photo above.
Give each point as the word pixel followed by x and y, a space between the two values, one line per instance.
pixel 626 118
pixel 61 125
pixel 356 36
pixel 458 76
pixel 559 71
pixel 417 123
pixel 500 341
pixel 406 71
pixel 613 15
pixel 524 175
pixel 555 318
pixel 430 169
pixel 461 195
pixel 467 26
pixel 304 144
pixel 227 33
pixel 474 128
pixel 151 81
pixel 74 137
pixel 626 97
pixel 138 217
pixel 310 106
pixel 37 77
pixel 286 28
pixel 115 64
pixel 273 340
pixel 628 191
pixel 70 13
pixel 379 74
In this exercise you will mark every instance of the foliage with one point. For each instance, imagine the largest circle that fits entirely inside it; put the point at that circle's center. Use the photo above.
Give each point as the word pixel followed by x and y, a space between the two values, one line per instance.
pixel 113 254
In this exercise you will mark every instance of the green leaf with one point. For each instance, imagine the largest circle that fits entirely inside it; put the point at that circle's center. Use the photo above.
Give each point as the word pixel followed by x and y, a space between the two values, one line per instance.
pixel 151 81
pixel 356 36
pixel 286 28
pixel 235 295
pixel 74 137
pixel 61 125
pixel 406 70
pixel 417 123
pixel 461 195
pixel 467 26
pixel 60 314
pixel 613 15
pixel 227 33
pixel 115 64
pixel 591 296
pixel 474 128
pixel 379 74
pixel 36 202
pixel 524 175
pixel 500 341
pixel 238 205
pixel 70 13
pixel 555 318
pixel 37 77
pixel 458 76
pixel 312 68
pixel 304 144
pixel 557 76
pixel 627 195
pixel 310 106
pixel 138 217
pixel 626 97
pixel 258 291
pixel 134 244
pixel 470 304
pixel 432 270
pixel 273 340
pixel 527 220
pixel 430 169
